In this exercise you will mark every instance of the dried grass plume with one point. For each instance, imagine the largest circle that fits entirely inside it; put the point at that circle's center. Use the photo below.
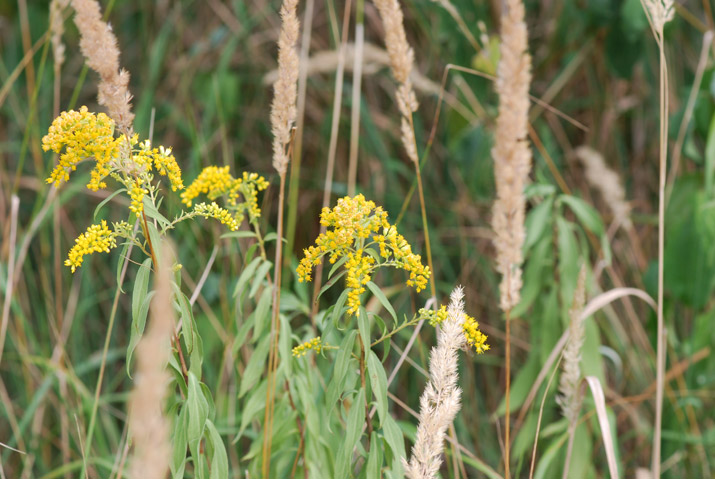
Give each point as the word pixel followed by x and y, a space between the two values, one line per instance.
pixel 99 47
pixel 511 153
pixel 440 401
pixel 148 426
pixel 402 59
pixel 285 89
pixel 607 182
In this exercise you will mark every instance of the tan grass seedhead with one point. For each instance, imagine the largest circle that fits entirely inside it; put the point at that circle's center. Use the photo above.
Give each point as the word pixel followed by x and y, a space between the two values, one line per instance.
pixel 283 109
pixel 440 401
pixel 512 156
pixel 99 47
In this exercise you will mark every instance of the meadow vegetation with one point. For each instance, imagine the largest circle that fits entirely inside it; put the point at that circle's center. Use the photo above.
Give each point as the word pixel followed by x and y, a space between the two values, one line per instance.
pixel 287 239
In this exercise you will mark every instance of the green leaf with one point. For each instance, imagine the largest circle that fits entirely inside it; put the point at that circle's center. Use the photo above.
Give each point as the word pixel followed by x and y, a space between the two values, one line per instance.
pixel 219 459
pixel 340 370
pixel 337 265
pixel 382 298
pixel 155 240
pixel 255 366
pixel 255 403
pixel 179 444
pixel 238 234
pixel 378 382
pixel 537 222
pixel 246 275
pixel 107 200
pixel 710 159
pixel 374 460
pixel 548 456
pixel 261 272
pixel 339 307
pixel 262 313
pixel 137 329
pixel 586 214
pixel 198 412
pixel 395 440
pixel 353 431
pixel 151 211
pixel 141 285
pixel 364 327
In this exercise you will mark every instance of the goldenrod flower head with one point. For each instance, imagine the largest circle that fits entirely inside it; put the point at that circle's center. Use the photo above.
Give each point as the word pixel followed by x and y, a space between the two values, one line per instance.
pixel 82 135
pixel 136 192
pixel 350 226
pixel 434 317
pixel 215 211
pixel 475 338
pixel 97 239
pixel 213 181
pixel 315 344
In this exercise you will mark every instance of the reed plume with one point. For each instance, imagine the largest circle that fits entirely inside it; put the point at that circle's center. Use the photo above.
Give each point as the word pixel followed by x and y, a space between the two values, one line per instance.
pixel 440 401
pixel 512 162
pixel 99 47
pixel 283 115
pixel 512 157
pixel 148 426
pixel 569 384
pixel 285 89
pixel 608 184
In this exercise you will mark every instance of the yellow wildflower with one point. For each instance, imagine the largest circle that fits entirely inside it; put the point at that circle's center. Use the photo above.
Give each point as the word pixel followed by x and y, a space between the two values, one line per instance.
pixel 82 135
pixel 215 211
pixel 315 344
pixel 434 317
pixel 164 162
pixel 97 239
pixel 136 192
pixel 350 226
pixel 475 338
pixel 213 181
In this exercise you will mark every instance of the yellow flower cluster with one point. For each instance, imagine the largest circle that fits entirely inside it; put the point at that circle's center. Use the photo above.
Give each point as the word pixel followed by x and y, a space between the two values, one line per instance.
pixel 315 344
pixel 434 317
pixel 164 162
pixel 97 239
pixel 215 181
pixel 215 211
pixel 475 338
pixel 82 135
pixel 136 192
pixel 349 227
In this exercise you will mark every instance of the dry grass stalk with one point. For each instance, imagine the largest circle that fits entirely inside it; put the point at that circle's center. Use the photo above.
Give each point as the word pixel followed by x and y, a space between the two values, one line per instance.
pixel 570 383
pixel 285 89
pixel 608 183
pixel 99 47
pixel 440 401
pixel 402 59
pixel 283 116
pixel 512 157
pixel 57 29
pixel 659 12
pixel 149 428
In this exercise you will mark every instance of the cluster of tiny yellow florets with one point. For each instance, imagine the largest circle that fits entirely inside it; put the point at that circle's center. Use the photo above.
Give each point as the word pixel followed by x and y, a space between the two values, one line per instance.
pixel 475 338
pixel 315 344
pixel 164 162
pixel 349 227
pixel 214 182
pixel 215 211
pixel 97 239
pixel 83 135
pixel 434 317
pixel 136 193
